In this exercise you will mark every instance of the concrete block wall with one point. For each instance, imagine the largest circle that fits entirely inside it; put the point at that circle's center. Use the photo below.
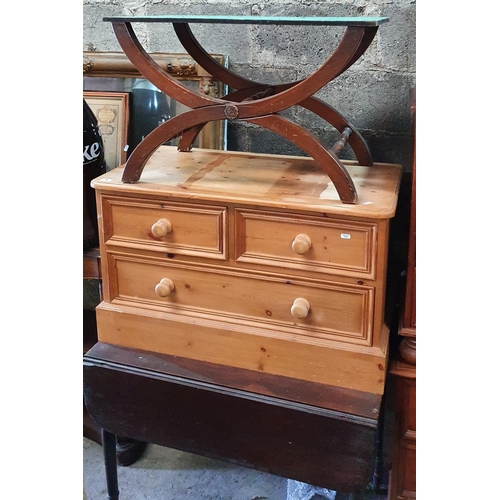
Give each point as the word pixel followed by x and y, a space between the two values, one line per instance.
pixel 373 93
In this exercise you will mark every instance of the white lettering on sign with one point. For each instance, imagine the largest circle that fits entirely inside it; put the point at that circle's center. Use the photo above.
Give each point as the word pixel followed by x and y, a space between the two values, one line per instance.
pixel 91 152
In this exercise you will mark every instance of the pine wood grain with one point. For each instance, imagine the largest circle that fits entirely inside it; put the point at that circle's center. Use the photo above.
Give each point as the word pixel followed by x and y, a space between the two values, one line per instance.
pixel 234 270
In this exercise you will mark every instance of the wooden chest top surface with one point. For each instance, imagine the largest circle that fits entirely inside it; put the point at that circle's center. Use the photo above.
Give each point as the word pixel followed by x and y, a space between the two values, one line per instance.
pixel 272 181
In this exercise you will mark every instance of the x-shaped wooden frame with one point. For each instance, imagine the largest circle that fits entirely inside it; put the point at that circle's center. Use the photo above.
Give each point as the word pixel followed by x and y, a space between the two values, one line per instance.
pixel 253 102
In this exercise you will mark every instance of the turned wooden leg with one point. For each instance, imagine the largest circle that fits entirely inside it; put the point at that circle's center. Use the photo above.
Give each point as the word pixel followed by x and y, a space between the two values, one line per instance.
pixel 110 465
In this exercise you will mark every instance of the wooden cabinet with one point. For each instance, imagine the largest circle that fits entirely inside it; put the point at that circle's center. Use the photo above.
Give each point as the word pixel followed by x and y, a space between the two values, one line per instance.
pixel 249 261
pixel 403 368
pixel 403 464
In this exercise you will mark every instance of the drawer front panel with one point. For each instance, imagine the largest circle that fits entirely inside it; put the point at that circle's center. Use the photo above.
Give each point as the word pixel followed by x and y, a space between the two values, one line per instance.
pixel 315 244
pixel 342 312
pixel 197 230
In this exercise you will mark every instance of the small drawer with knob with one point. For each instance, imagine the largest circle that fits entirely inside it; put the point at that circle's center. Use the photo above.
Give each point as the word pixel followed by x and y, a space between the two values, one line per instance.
pixel 309 243
pixel 319 310
pixel 165 227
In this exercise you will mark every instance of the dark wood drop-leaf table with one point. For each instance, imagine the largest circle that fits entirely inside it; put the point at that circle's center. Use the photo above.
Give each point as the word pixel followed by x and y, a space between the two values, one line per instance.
pixel 231 414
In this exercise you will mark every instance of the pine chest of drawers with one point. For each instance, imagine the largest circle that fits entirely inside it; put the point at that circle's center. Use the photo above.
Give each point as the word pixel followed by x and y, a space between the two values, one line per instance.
pixel 249 261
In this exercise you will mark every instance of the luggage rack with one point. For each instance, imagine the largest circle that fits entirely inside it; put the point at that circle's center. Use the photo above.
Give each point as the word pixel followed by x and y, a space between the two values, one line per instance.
pixel 252 101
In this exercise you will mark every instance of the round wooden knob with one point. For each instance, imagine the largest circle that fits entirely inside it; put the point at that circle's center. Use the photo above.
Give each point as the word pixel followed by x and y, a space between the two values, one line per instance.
pixel 300 308
pixel 301 244
pixel 165 287
pixel 161 228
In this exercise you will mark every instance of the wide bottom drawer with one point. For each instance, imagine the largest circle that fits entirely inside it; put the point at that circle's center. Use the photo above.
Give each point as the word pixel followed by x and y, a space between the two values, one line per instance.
pixel 314 310
pixel 242 345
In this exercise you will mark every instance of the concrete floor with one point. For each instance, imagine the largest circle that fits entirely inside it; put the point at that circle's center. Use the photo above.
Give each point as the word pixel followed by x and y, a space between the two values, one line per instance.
pixel 167 474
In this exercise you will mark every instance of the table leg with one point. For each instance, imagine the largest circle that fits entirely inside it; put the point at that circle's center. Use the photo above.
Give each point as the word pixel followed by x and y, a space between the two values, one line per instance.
pixel 110 465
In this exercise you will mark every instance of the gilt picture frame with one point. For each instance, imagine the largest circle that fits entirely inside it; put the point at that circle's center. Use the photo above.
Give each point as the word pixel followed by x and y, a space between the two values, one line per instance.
pixel 112 112
pixel 113 71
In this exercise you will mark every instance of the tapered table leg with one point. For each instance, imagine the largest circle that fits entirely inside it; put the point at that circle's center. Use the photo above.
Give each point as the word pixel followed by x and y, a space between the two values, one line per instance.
pixel 110 465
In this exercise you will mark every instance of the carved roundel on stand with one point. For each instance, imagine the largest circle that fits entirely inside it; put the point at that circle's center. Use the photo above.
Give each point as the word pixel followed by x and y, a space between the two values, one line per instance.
pixel 231 111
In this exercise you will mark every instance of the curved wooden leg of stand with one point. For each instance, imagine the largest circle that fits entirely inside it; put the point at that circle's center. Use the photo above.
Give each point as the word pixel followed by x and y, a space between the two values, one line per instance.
pixel 210 65
pixel 188 137
pixel 327 113
pixel 248 89
pixel 368 36
pixel 166 83
pixel 260 107
pixel 286 128
pixel 350 48
pixel 110 466
pixel 313 104
pixel 164 133
pixel 334 118
pixel 232 80
pixel 325 158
